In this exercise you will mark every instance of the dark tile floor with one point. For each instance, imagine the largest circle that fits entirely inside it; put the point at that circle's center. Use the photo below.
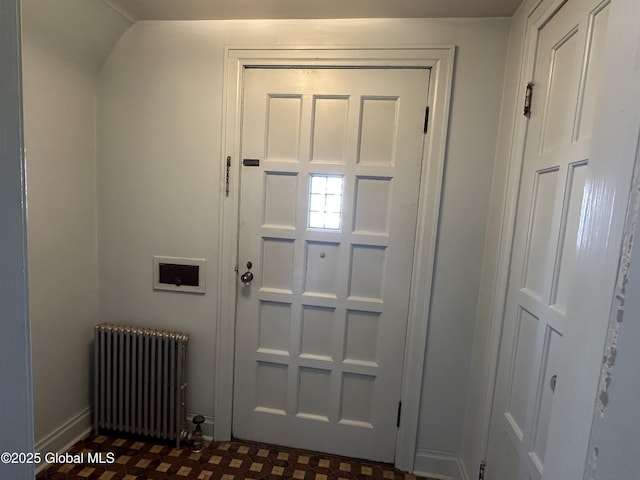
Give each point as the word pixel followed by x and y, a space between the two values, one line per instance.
pixel 132 459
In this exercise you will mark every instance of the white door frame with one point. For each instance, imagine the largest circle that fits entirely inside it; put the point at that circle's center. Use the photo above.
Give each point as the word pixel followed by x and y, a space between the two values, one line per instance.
pixel 439 59
pixel 16 399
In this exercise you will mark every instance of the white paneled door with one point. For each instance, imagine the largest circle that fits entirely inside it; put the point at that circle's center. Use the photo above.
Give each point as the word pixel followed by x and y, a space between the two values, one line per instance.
pixel 328 205
pixel 566 48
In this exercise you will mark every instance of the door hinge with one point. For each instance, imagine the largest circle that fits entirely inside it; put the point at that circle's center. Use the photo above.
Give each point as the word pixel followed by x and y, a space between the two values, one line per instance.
pixel 426 119
pixel 399 414
pixel 527 99
pixel 483 464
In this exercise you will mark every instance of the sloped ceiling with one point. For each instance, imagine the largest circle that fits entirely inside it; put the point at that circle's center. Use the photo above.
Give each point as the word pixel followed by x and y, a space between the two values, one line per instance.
pixel 280 9
pixel 84 31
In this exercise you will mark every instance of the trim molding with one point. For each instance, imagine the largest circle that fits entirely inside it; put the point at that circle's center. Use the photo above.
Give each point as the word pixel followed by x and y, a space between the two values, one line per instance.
pixel 440 59
pixel 16 400
pixel 439 465
pixel 63 437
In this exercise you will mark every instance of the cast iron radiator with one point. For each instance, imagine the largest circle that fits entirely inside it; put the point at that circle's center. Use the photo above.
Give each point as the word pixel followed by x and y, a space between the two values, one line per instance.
pixel 140 381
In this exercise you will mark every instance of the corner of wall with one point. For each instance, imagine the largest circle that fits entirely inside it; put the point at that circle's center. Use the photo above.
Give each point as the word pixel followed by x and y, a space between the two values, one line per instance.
pixel 59 84
pixel 121 12
pixel 63 437
pixel 447 465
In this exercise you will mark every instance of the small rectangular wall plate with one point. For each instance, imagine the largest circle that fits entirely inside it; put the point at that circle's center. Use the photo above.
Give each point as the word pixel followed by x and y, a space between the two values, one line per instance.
pixel 179 274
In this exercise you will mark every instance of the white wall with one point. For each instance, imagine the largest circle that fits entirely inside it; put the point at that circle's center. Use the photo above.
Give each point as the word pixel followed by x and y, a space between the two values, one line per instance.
pixel 480 381
pixel 159 166
pixel 60 150
pixel 59 81
pixel 477 91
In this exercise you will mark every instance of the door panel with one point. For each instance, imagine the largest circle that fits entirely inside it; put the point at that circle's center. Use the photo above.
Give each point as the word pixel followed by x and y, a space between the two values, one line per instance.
pixel 555 160
pixel 328 222
pixel 565 261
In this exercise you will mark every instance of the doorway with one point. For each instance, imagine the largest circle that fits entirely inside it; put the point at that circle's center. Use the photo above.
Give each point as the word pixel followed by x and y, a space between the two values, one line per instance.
pixel 329 190
pixel 436 63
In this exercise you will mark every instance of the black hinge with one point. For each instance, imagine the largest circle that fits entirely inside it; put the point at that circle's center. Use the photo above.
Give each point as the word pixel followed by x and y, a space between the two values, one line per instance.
pixel 527 99
pixel 426 119
pixel 481 472
pixel 399 414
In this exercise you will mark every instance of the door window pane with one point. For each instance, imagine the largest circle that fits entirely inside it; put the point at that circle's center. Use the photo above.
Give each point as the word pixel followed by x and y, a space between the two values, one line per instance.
pixel 325 202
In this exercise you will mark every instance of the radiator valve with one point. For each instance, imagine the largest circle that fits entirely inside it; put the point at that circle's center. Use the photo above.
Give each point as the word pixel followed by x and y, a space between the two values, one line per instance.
pixel 196 437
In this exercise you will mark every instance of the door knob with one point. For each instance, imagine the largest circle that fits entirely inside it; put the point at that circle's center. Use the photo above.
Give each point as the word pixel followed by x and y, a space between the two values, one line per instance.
pixel 247 276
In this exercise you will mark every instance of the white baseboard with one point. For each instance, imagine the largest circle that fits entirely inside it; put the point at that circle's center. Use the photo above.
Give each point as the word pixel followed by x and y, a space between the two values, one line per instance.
pixel 63 437
pixel 440 465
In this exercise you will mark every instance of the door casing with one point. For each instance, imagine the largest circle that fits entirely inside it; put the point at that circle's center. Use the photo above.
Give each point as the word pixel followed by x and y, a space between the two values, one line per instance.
pixel 16 401
pixel 440 60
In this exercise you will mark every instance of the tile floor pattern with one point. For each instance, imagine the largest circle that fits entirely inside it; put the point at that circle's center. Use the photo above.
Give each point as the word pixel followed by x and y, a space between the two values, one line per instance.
pixel 235 460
